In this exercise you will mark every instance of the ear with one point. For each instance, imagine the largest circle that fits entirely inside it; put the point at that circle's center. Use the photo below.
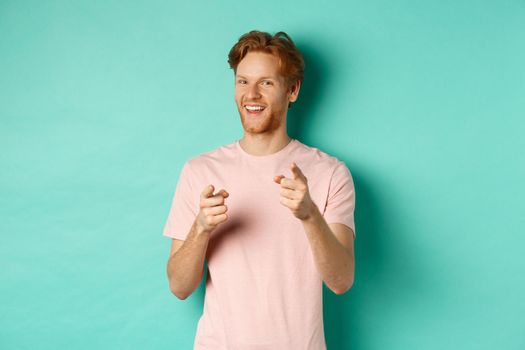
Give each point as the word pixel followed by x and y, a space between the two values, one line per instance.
pixel 294 91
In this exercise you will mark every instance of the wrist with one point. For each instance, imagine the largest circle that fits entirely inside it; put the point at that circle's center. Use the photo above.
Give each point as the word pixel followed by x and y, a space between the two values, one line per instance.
pixel 201 230
pixel 313 214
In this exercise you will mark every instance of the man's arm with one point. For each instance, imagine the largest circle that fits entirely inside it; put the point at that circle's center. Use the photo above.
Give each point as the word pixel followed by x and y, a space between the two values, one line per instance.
pixel 185 265
pixel 332 246
pixel 333 250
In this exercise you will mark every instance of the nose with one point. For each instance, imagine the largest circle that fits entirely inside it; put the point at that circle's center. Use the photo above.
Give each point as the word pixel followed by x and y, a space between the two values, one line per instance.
pixel 253 91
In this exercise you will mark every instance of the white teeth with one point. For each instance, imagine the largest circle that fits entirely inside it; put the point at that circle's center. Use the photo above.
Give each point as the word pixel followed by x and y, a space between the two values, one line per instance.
pixel 254 108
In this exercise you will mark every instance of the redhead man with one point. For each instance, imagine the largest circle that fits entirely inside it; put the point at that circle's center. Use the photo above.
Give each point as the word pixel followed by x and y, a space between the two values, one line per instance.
pixel 279 225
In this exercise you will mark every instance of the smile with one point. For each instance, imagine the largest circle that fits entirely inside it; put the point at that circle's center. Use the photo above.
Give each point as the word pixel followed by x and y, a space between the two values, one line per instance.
pixel 254 108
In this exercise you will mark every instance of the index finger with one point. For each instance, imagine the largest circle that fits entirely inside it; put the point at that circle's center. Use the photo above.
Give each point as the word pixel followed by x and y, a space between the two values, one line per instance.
pixel 296 171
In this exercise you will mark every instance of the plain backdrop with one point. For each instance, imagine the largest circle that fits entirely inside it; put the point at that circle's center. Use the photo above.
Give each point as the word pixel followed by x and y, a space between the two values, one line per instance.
pixel 102 102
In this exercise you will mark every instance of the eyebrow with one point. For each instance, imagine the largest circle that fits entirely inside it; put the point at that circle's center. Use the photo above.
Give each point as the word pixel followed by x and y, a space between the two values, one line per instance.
pixel 242 76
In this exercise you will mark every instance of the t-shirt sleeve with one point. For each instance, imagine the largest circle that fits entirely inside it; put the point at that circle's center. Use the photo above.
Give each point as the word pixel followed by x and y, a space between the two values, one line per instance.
pixel 183 207
pixel 341 198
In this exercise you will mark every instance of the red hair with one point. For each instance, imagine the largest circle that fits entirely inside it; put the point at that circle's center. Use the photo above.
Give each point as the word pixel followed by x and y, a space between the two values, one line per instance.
pixel 291 62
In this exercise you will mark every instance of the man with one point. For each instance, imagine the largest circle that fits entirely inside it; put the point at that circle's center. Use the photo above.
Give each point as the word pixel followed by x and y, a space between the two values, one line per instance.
pixel 281 223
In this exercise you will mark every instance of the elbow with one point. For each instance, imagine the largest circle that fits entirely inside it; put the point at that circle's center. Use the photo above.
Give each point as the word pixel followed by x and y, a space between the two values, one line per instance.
pixel 174 288
pixel 179 294
pixel 181 297
pixel 180 290
pixel 343 289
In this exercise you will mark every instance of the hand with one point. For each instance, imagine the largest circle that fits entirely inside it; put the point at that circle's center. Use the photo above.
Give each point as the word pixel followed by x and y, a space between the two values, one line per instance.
pixel 212 209
pixel 295 194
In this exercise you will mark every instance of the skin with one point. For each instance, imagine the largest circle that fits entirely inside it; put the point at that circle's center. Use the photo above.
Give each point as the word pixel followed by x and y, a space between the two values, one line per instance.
pixel 259 82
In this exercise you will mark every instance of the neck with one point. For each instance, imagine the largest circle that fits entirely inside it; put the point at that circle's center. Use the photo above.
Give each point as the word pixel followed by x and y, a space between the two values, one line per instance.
pixel 264 144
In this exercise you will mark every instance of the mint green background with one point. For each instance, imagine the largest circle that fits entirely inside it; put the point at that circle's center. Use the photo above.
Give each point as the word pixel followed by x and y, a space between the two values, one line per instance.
pixel 101 103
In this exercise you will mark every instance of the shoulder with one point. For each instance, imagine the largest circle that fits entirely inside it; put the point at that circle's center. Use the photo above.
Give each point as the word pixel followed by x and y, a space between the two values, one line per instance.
pixel 209 158
pixel 319 158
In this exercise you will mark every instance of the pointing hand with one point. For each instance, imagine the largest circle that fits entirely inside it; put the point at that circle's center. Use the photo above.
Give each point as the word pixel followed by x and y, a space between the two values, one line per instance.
pixel 295 194
pixel 212 209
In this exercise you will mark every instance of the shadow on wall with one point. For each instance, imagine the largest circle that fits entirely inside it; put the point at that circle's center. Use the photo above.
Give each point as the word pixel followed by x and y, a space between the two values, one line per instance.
pixel 347 316
pixel 305 110
pixel 342 319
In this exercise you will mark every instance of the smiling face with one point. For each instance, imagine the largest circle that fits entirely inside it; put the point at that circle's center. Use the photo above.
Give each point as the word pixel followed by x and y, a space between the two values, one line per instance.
pixel 261 93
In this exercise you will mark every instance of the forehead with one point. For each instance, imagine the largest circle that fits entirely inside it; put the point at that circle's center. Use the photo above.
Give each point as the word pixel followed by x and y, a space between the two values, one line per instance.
pixel 257 64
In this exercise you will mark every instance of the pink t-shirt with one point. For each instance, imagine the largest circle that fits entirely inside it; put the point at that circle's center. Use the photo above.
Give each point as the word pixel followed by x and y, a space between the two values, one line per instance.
pixel 263 290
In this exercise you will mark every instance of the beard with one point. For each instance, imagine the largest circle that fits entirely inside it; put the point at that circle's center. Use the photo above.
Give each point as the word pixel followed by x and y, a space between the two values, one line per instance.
pixel 267 122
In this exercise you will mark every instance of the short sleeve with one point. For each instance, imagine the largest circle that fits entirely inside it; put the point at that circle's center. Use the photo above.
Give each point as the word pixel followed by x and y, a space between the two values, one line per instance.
pixel 340 204
pixel 183 207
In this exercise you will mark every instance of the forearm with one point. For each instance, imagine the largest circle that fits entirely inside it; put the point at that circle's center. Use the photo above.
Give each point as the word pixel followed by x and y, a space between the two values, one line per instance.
pixel 185 268
pixel 334 262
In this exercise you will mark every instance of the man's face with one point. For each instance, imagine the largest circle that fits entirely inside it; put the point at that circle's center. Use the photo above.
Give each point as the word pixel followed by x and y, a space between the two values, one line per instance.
pixel 261 93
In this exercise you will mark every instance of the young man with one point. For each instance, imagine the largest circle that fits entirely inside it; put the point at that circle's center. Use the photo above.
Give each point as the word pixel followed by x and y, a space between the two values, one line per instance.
pixel 281 223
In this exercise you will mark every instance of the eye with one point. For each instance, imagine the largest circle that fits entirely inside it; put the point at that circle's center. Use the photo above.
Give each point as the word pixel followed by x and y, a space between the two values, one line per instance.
pixel 266 83
pixel 241 81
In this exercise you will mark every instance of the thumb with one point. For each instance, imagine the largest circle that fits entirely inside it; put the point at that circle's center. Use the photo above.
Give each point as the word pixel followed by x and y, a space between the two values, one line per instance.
pixel 224 193
pixel 278 178
pixel 207 192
